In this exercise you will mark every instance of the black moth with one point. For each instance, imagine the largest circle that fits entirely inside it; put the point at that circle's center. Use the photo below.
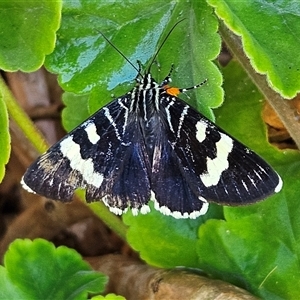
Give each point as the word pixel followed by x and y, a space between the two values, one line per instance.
pixel 147 144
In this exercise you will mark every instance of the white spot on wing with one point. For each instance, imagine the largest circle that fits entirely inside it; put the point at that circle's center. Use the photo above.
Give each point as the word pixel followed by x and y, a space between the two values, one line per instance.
pixel 279 185
pixel 252 181
pixel 177 214
pixel 156 101
pixel 115 210
pixel 145 209
pixel 201 131
pixel 216 166
pixel 169 115
pixel 118 211
pixel 125 114
pixel 111 120
pixel 85 167
pixel 258 175
pixel 26 187
pixel 182 116
pixel 244 184
pixel 91 131
pixel 135 211
pixel 145 104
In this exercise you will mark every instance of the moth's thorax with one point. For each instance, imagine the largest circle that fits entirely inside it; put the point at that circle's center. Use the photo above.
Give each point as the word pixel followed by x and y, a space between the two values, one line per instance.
pixel 145 98
pixel 145 104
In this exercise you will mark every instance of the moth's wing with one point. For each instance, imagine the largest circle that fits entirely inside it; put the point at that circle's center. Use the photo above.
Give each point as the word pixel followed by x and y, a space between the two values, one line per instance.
pixel 105 155
pixel 209 164
pixel 127 174
pixel 172 192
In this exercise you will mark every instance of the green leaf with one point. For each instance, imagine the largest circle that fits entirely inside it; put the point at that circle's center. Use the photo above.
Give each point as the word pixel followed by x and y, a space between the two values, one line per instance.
pixel 38 270
pixel 108 297
pixel 86 63
pixel 163 240
pixel 4 138
pixel 257 247
pixel 27 33
pixel 74 103
pixel 269 31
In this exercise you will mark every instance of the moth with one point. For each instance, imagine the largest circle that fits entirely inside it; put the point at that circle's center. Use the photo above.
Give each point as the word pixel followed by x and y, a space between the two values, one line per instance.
pixel 150 144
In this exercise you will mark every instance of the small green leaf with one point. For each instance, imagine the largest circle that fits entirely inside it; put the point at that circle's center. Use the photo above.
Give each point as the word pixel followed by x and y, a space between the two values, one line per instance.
pixel 108 297
pixel 38 270
pixel 75 111
pixel 4 138
pixel 270 35
pixel 27 33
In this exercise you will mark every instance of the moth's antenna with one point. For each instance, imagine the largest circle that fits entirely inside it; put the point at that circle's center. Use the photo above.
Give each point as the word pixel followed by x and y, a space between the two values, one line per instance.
pixel 154 57
pixel 163 42
pixel 119 51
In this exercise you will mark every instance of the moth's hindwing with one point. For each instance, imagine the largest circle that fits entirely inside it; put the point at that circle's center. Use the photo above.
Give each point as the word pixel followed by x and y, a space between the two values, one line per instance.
pixel 150 142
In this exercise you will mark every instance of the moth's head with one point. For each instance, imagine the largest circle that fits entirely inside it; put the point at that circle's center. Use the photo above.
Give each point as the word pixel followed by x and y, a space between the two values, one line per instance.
pixel 146 82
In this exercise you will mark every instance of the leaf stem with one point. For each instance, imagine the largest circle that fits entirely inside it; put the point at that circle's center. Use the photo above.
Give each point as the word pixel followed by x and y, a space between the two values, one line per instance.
pixel 278 103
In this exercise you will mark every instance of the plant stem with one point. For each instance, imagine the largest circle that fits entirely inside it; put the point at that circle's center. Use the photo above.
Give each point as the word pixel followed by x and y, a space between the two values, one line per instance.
pixel 22 120
pixel 111 220
pixel 281 106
